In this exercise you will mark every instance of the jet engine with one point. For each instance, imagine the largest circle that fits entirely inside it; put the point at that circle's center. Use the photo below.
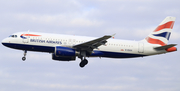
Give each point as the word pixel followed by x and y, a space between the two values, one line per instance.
pixel 64 54
pixel 63 58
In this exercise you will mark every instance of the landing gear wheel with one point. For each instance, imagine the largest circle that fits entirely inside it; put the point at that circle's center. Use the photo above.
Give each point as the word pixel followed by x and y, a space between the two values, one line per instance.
pixel 82 56
pixel 23 58
pixel 83 63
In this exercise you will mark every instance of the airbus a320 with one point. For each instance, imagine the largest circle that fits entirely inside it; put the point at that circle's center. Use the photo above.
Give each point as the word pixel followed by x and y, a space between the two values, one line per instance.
pixel 68 47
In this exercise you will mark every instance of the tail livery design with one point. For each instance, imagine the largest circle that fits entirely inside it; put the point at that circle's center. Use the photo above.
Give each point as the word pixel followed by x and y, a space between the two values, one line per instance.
pixel 162 33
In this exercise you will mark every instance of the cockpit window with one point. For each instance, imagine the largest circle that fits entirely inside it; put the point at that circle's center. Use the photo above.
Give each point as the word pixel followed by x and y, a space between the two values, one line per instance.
pixel 13 36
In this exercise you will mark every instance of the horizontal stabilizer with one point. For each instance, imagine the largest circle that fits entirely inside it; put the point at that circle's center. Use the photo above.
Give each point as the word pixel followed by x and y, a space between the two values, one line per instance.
pixel 165 47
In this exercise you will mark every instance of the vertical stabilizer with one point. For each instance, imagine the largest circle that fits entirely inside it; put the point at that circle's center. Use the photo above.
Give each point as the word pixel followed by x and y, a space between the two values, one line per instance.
pixel 162 33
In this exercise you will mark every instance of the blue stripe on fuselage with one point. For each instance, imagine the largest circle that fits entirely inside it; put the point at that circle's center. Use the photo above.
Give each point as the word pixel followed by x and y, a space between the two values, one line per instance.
pixel 52 49
pixel 120 55
pixel 30 47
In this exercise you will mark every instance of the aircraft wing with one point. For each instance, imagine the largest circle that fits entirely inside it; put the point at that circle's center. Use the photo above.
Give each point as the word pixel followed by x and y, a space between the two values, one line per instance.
pixel 90 45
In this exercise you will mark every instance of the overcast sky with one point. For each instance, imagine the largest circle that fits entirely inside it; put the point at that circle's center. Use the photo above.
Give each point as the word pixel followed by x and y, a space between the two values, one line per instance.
pixel 129 19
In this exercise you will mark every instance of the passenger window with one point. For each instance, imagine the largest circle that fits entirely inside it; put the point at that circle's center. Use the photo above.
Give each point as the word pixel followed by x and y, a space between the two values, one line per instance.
pixel 15 36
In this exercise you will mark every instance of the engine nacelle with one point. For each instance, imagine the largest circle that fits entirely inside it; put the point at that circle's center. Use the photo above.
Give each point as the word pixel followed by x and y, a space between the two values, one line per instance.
pixel 63 58
pixel 64 51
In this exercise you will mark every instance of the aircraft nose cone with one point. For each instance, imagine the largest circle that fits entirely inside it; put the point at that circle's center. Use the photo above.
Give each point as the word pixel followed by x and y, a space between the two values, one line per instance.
pixel 4 41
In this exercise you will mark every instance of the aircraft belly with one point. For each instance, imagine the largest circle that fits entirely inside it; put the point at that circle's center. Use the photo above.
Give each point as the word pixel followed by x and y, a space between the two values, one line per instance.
pixel 30 47
pixel 121 55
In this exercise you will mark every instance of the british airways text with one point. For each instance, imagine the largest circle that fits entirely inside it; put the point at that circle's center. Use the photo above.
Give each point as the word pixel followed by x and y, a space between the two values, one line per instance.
pixel 45 41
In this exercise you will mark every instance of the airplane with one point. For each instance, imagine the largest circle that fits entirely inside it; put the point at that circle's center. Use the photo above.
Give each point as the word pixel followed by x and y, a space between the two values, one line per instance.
pixel 68 47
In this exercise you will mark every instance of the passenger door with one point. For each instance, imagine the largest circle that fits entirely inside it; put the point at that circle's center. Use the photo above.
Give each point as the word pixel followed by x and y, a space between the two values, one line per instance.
pixel 25 38
pixel 141 47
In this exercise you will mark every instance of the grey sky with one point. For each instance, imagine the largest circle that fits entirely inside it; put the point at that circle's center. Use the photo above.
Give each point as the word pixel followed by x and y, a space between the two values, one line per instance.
pixel 129 19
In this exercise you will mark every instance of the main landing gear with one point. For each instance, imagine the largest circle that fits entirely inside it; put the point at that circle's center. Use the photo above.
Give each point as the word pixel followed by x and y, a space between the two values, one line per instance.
pixel 84 61
pixel 24 58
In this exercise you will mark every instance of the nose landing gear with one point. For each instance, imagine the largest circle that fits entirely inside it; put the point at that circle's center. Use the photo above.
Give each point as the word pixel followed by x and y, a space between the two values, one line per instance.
pixel 24 58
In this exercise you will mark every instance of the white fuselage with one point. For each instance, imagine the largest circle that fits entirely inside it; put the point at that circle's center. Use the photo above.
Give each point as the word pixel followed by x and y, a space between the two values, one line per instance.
pixel 45 42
